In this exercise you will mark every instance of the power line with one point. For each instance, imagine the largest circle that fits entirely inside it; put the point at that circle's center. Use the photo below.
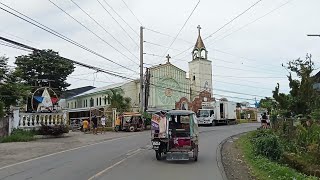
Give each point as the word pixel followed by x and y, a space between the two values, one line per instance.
pixel 163 87
pixel 214 65
pixel 273 10
pixel 15 36
pixel 248 86
pixel 182 27
pixel 251 77
pixel 121 18
pixel 254 4
pixel 15 47
pixel 51 31
pixel 233 92
pixel 217 89
pixel 241 57
pixel 118 23
pixel 95 34
pixel 159 45
pixel 105 30
pixel 225 24
pixel 132 12
pixel 164 34
pixel 72 61
pixel 180 59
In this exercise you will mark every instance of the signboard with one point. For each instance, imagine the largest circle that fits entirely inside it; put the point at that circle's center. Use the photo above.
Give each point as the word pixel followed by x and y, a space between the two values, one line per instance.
pixel 159 123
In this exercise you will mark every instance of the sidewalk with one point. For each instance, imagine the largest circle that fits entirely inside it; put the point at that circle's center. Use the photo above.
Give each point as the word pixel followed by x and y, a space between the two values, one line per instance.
pixel 20 151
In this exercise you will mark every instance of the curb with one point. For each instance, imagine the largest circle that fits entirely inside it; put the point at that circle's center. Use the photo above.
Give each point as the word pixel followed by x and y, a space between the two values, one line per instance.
pixel 219 155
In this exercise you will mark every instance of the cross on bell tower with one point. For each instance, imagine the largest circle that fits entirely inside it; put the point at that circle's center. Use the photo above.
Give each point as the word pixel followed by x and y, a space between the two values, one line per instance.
pixel 199 29
pixel 199 51
pixel 168 58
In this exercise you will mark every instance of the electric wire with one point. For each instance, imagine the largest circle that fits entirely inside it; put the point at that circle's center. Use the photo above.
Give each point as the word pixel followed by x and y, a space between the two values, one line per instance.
pixel 55 33
pixel 95 34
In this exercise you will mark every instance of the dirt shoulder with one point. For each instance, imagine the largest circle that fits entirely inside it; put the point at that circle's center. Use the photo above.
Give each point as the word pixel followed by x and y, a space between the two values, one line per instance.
pixel 11 153
pixel 233 161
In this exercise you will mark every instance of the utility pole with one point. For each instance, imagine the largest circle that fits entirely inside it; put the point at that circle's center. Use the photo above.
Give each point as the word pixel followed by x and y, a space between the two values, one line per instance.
pixel 141 72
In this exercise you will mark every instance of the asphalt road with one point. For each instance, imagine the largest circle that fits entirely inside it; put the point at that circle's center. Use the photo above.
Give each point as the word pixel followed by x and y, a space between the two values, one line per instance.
pixel 126 158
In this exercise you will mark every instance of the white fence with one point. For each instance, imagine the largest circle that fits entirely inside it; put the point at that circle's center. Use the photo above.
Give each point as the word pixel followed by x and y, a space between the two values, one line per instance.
pixel 34 120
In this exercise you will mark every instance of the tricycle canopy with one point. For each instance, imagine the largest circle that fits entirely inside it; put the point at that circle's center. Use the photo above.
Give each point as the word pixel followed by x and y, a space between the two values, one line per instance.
pixel 182 119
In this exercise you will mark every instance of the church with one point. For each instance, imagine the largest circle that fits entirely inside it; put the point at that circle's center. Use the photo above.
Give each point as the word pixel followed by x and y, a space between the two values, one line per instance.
pixel 170 88
pixel 166 86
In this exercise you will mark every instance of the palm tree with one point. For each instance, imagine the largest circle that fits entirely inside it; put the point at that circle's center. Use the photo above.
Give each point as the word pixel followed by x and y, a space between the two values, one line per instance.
pixel 117 100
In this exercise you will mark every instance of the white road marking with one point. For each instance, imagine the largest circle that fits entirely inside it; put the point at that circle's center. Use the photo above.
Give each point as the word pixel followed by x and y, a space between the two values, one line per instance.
pixel 48 155
pixel 115 164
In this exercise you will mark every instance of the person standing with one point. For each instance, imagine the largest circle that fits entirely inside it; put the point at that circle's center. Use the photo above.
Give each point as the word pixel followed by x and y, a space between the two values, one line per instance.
pixel 249 117
pixel 95 124
pixel 268 121
pixel 103 124
pixel 118 123
pixel 264 120
pixel 85 125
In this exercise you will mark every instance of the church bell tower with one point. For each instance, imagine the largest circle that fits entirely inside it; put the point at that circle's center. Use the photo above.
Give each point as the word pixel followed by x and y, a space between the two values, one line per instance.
pixel 200 69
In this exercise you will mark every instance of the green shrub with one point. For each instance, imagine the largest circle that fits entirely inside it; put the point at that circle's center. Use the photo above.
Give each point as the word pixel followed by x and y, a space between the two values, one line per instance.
pixel 19 135
pixel 261 167
pixel 301 164
pixel 267 144
pixel 56 130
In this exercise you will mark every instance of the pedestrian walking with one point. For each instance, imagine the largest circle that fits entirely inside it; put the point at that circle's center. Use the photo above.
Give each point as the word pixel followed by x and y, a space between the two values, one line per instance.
pixel 95 124
pixel 103 124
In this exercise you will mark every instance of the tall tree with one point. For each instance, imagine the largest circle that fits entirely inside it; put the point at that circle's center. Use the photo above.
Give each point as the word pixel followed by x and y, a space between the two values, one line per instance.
pixel 302 98
pixel 267 103
pixel 117 100
pixel 3 67
pixel 44 68
pixel 12 90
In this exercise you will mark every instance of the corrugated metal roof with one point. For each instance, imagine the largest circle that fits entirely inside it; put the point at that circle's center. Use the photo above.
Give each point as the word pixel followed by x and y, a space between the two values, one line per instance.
pixel 100 89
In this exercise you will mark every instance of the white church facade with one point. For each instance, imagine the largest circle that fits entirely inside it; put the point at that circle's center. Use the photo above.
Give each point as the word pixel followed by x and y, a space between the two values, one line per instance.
pixel 167 87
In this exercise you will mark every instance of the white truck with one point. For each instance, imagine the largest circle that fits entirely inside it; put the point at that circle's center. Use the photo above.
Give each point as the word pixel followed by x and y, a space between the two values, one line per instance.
pixel 219 112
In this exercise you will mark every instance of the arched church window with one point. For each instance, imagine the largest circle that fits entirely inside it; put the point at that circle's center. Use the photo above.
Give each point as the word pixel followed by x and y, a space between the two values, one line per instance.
pixel 203 53
pixel 195 54
pixel 194 78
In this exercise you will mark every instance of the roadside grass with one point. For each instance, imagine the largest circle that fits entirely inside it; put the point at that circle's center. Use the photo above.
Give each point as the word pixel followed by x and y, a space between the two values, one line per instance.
pixel 19 136
pixel 265 169
pixel 241 121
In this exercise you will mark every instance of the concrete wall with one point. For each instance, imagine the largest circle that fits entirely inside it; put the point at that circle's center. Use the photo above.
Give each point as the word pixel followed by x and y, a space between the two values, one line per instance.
pixel 163 78
pixel 200 72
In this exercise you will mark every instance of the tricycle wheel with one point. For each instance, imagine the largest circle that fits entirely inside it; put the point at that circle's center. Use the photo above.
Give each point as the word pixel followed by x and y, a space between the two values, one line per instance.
pixel 158 155
pixel 132 129
pixel 195 153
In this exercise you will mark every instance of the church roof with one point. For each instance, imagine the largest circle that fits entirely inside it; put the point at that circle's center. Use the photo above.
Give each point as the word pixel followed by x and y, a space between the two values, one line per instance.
pixel 199 44
pixel 166 64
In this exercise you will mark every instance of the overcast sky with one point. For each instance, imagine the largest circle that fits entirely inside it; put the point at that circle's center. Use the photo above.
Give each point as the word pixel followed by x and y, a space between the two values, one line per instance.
pixel 251 48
